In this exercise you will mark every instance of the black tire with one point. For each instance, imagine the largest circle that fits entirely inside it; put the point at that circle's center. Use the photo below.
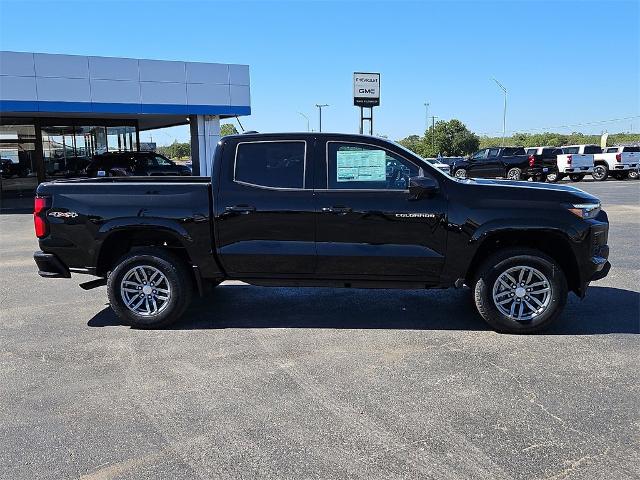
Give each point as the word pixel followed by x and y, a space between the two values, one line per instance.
pixel 539 178
pixel 600 172
pixel 576 177
pixel 499 263
pixel 514 174
pixel 460 173
pixel 633 174
pixel 178 279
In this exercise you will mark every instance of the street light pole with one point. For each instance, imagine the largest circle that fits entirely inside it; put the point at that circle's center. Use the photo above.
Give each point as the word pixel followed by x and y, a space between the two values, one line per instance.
pixel 320 106
pixel 426 116
pixel 504 113
pixel 433 131
pixel 306 118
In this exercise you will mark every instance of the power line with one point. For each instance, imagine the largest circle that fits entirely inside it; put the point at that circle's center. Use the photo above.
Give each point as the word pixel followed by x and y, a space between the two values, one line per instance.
pixel 599 122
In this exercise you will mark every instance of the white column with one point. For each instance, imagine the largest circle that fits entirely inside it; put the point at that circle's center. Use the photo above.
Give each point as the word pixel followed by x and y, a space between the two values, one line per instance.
pixel 208 137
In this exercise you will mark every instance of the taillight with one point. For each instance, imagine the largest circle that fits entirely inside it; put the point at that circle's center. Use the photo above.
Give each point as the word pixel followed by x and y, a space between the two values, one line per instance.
pixel 618 157
pixel 569 158
pixel 39 207
pixel 532 160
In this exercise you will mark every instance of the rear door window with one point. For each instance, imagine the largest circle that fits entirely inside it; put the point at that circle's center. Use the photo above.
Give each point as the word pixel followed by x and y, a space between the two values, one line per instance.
pixel 278 164
pixel 591 149
pixel 571 150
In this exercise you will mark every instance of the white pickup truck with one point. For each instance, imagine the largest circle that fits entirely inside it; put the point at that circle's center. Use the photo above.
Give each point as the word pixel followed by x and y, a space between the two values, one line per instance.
pixel 576 161
pixel 619 162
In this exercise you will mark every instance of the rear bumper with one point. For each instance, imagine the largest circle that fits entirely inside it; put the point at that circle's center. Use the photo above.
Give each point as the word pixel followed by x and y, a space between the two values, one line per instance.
pixel 50 266
pixel 585 170
pixel 624 167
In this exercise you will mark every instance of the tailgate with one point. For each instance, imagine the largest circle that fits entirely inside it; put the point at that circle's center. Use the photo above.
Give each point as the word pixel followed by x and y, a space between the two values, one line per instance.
pixel 630 158
pixel 581 160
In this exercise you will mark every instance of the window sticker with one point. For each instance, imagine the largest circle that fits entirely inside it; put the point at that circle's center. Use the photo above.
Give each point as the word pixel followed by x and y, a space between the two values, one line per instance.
pixel 361 166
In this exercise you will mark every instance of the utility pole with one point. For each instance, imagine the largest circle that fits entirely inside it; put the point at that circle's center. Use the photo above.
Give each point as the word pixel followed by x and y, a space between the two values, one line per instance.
pixel 320 106
pixel 433 131
pixel 426 116
pixel 306 118
pixel 504 113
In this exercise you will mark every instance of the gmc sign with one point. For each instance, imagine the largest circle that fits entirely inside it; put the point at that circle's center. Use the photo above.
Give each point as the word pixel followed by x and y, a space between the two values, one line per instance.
pixel 366 89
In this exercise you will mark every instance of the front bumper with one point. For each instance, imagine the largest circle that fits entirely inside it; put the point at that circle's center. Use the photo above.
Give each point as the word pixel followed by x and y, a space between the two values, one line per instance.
pixel 50 266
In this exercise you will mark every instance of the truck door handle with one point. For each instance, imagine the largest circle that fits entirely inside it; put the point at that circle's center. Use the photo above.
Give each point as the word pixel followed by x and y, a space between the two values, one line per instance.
pixel 339 210
pixel 243 209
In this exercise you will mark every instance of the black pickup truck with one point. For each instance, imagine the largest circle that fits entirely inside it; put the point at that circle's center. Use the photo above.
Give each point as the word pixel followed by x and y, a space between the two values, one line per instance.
pixel 331 210
pixel 511 163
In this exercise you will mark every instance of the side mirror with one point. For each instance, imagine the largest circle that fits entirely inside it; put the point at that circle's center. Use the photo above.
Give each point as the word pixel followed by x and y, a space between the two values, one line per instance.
pixel 421 187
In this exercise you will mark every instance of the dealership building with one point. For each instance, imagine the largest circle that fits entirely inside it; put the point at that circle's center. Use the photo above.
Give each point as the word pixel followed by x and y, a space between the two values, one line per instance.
pixel 58 111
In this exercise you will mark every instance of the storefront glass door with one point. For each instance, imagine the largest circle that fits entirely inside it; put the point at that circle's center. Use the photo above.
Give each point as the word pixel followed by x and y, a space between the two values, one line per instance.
pixel 19 172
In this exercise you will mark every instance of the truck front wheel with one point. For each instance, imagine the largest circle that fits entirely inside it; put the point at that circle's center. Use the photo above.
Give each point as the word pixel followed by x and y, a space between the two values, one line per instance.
pixel 600 172
pixel 520 290
pixel 514 174
pixel 150 288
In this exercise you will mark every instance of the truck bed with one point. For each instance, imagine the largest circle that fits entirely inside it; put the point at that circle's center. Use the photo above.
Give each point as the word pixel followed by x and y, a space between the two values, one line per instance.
pixel 88 217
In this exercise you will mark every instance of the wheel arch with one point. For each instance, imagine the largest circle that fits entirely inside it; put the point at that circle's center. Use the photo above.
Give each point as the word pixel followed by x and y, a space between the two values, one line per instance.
pixel 120 240
pixel 551 242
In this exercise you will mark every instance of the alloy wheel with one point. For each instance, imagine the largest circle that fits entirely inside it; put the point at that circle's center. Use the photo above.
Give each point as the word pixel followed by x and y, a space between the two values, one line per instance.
pixel 145 290
pixel 522 293
pixel 599 172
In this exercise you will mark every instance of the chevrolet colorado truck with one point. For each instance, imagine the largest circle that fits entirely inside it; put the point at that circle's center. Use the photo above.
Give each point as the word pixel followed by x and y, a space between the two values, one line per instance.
pixel 324 210
pixel 511 163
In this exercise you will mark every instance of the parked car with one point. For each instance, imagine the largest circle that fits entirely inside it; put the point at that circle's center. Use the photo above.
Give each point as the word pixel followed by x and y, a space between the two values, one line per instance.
pixel 126 164
pixel 548 157
pixel 619 162
pixel 450 160
pixel 575 161
pixel 319 209
pixel 9 168
pixel 439 165
pixel 512 163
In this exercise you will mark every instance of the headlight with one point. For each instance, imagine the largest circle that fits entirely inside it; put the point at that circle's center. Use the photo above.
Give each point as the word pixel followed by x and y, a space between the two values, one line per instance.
pixel 585 210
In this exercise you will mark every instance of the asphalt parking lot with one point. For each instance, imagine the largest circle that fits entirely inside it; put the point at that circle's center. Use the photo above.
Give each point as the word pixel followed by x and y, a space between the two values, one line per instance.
pixel 319 383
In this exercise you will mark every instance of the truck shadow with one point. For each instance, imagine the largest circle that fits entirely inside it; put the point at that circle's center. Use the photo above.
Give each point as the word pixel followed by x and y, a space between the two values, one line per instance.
pixel 604 310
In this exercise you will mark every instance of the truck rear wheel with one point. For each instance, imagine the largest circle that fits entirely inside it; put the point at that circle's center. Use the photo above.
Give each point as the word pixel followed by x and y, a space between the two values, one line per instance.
pixel 460 173
pixel 620 175
pixel 520 290
pixel 150 288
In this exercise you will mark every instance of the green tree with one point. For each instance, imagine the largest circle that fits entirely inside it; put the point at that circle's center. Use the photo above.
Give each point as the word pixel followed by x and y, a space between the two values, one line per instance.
pixel 228 129
pixel 413 143
pixel 450 139
pixel 447 138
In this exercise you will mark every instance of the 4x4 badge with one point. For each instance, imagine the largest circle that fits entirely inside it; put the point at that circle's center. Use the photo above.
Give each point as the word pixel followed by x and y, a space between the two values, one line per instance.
pixel 63 214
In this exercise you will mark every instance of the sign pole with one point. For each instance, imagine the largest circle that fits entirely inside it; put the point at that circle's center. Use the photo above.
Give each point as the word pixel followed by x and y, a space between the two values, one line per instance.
pixel 366 94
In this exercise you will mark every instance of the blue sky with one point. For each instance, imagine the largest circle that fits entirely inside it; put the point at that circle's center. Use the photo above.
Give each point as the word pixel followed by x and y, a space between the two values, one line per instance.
pixel 564 63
